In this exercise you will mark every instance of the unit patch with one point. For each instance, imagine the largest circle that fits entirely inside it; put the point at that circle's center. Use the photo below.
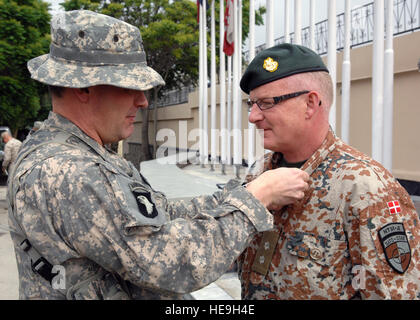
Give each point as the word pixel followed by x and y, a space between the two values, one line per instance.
pixel 145 204
pixel 396 246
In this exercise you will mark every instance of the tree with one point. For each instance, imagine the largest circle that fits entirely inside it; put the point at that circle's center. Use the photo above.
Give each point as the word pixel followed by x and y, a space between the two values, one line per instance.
pixel 24 34
pixel 170 37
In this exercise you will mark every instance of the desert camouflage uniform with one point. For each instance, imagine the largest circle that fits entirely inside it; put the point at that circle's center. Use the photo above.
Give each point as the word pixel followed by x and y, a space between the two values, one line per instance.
pixel 327 245
pixel 11 150
pixel 84 208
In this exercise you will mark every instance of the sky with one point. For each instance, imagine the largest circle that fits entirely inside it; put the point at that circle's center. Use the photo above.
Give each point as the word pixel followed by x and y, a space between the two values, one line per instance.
pixel 321 14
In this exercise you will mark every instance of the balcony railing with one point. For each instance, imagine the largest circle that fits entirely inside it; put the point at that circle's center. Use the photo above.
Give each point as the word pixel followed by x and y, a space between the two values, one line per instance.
pixel 406 19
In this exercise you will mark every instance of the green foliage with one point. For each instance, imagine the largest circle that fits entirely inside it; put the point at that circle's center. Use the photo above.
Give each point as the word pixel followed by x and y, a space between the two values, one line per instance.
pixel 24 34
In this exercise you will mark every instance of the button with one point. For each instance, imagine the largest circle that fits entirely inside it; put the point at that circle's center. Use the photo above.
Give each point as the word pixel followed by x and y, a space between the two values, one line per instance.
pixel 316 254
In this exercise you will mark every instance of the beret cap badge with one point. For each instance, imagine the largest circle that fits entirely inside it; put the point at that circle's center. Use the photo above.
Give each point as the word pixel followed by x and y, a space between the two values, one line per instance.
pixel 270 65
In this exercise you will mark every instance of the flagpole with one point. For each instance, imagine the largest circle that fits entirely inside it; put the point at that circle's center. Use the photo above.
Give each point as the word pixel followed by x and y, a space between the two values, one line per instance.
pixel 269 40
pixel 238 115
pixel 378 81
pixel 312 24
pixel 298 22
pixel 205 84
pixel 389 87
pixel 346 77
pixel 251 126
pixel 200 83
pixel 222 81
pixel 332 56
pixel 213 88
pixel 229 114
pixel 286 21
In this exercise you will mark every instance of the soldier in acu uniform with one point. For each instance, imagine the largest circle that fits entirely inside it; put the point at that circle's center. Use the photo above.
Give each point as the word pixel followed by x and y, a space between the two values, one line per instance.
pixel 86 224
pixel 355 234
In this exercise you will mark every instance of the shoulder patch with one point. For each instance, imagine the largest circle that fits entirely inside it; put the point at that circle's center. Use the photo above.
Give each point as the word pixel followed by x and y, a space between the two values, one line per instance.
pixel 145 204
pixel 396 246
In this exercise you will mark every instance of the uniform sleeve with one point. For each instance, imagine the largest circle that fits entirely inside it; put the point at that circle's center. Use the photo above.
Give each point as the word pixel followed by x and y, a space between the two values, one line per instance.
pixel 190 208
pixel 178 255
pixel 384 239
pixel 7 155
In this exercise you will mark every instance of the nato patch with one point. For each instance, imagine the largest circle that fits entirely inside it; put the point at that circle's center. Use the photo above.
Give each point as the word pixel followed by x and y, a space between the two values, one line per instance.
pixel 396 246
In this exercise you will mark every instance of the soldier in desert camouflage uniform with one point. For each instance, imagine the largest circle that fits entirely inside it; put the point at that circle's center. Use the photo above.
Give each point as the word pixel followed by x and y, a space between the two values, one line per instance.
pixel 86 224
pixel 355 234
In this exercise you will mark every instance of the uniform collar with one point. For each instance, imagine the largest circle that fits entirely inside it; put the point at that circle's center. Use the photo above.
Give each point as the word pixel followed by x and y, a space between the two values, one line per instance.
pixel 61 123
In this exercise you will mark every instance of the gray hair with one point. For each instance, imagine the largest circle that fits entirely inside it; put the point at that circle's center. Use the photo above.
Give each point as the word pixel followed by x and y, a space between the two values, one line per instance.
pixel 5 134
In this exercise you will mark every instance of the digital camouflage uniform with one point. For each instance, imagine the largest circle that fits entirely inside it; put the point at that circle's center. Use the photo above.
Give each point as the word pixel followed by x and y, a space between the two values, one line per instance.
pixel 77 204
pixel 87 210
pixel 330 245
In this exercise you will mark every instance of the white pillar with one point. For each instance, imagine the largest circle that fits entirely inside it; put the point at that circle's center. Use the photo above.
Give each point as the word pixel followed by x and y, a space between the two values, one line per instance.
pixel 213 132
pixel 251 126
pixel 222 81
pixel 332 55
pixel 298 22
pixel 235 109
pixel 200 86
pixel 205 82
pixel 346 77
pixel 389 87
pixel 229 114
pixel 286 21
pixel 269 24
pixel 312 25
pixel 378 81
pixel 237 90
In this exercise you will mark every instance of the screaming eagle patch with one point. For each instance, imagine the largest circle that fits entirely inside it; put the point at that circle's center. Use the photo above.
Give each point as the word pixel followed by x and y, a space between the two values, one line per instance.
pixel 396 246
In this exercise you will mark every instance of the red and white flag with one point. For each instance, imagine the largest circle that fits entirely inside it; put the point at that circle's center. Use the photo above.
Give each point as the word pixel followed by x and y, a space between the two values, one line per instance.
pixel 229 43
pixel 394 207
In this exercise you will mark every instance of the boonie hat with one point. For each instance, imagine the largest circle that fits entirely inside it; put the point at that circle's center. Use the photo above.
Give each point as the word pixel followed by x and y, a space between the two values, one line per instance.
pixel 279 62
pixel 88 49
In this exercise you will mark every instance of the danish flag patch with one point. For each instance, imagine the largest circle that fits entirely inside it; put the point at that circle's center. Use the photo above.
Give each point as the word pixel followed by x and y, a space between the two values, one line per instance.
pixel 394 207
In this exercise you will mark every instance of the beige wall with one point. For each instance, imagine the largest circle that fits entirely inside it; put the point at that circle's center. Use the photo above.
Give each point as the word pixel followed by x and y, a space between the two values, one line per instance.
pixel 406 138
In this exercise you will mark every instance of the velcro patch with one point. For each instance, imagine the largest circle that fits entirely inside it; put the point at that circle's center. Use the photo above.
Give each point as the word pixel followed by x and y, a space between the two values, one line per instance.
pixel 394 207
pixel 396 246
pixel 145 204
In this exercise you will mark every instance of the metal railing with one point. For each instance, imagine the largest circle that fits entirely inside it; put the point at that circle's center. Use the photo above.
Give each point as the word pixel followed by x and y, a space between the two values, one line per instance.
pixel 174 97
pixel 406 19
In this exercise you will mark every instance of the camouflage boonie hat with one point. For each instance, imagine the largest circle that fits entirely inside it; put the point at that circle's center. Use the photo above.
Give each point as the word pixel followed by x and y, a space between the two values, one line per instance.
pixel 89 49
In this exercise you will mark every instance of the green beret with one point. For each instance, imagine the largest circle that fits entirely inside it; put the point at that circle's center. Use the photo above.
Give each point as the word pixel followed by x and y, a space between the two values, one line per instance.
pixel 279 62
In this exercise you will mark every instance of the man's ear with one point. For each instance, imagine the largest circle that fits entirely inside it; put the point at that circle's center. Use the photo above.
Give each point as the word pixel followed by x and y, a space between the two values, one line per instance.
pixel 313 104
pixel 82 94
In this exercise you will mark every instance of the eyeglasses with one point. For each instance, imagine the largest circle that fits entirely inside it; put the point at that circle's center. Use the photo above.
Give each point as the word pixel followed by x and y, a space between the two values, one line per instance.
pixel 263 105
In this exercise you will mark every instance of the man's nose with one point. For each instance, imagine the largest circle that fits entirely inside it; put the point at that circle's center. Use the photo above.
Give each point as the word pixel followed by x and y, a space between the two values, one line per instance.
pixel 256 114
pixel 141 100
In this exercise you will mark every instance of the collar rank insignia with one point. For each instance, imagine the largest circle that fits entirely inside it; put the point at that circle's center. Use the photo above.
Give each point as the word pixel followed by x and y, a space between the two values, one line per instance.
pixel 396 246
pixel 270 65
pixel 394 207
pixel 145 204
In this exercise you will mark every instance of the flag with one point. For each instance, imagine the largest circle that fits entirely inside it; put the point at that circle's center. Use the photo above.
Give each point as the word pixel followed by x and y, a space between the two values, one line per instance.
pixel 229 44
pixel 200 4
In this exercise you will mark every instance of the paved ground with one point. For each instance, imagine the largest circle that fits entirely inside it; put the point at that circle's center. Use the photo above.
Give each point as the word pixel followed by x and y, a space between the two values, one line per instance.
pixel 187 182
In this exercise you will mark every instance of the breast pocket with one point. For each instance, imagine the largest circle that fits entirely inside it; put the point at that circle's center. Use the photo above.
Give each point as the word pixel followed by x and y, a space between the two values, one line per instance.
pixel 320 262
pixel 137 203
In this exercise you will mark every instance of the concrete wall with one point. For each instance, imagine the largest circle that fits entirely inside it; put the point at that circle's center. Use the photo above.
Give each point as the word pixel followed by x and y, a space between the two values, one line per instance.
pixel 406 138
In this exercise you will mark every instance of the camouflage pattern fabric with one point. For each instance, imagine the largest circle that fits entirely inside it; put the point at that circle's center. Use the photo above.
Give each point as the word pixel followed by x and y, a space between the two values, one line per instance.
pixel 79 205
pixel 11 150
pixel 88 49
pixel 328 245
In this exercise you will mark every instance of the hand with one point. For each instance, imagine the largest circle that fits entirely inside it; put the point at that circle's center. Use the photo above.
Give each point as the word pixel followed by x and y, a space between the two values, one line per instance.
pixel 279 187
